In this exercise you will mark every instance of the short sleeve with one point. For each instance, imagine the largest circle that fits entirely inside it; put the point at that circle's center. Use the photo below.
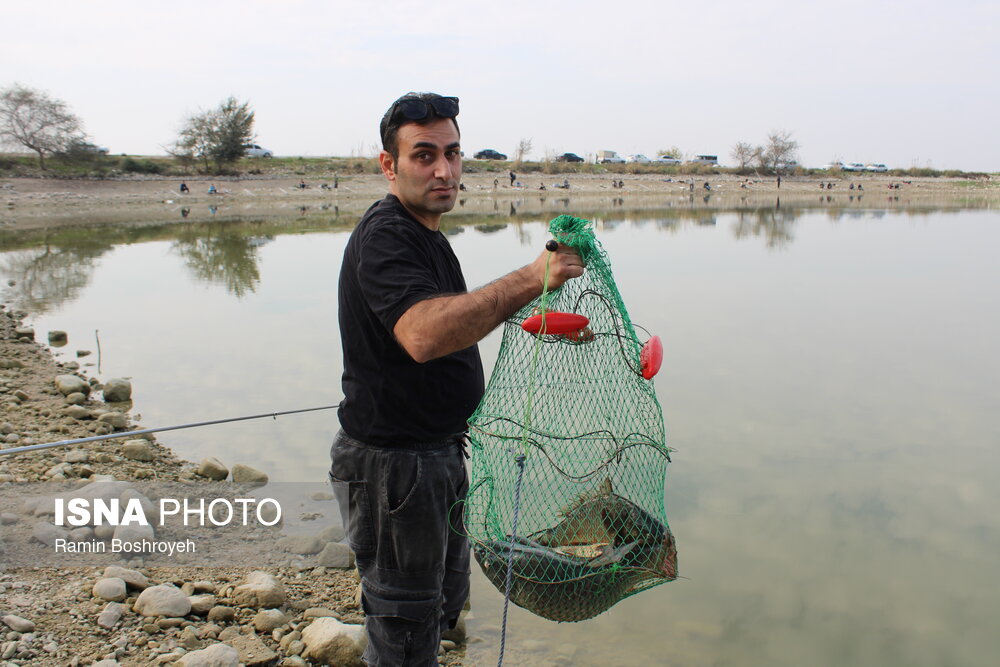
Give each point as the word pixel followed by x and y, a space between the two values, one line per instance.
pixel 394 271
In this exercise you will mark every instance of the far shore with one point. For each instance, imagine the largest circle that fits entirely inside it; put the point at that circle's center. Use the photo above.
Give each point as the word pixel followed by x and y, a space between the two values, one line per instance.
pixel 32 203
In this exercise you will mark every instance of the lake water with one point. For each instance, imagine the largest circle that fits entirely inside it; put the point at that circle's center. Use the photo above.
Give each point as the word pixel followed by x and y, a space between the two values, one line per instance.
pixel 829 382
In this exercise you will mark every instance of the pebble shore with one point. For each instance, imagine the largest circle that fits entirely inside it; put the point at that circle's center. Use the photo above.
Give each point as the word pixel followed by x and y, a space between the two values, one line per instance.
pixel 302 610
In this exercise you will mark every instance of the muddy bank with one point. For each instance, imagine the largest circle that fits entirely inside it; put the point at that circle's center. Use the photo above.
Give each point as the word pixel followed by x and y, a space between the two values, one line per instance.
pixel 279 605
pixel 27 203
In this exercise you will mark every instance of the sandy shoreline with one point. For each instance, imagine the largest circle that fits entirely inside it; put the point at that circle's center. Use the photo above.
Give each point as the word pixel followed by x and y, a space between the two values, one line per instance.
pixel 31 203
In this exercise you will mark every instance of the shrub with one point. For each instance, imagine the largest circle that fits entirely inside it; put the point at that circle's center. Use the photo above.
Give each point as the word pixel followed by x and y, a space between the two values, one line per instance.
pixel 133 166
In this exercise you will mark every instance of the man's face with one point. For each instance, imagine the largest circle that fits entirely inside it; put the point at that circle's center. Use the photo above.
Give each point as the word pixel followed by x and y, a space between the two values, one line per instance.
pixel 429 168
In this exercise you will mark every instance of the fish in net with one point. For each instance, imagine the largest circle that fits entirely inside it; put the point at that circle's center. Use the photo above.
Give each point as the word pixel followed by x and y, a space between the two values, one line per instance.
pixel 566 504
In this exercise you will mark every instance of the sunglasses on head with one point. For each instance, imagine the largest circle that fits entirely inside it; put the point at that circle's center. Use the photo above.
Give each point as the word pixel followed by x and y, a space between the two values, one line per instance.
pixel 417 109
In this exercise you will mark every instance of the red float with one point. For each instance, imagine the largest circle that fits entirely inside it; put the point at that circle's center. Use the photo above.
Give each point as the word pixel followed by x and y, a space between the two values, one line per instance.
pixel 554 323
pixel 651 357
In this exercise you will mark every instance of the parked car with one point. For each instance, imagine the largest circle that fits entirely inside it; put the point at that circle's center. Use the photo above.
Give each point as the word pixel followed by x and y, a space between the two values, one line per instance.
pixel 853 166
pixel 877 168
pixel 835 165
pixel 489 154
pixel 253 150
pixel 609 157
pixel 666 159
pixel 710 160
pixel 638 158
pixel 569 157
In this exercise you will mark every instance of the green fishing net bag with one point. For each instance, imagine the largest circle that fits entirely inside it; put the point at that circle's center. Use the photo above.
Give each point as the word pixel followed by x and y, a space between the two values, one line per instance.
pixel 566 503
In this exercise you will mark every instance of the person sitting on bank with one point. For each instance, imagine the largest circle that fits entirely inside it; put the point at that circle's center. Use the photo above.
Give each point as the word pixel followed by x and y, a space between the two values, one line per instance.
pixel 185 189
pixel 212 190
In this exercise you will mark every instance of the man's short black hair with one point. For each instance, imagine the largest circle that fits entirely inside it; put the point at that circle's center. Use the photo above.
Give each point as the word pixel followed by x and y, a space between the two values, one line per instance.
pixel 392 121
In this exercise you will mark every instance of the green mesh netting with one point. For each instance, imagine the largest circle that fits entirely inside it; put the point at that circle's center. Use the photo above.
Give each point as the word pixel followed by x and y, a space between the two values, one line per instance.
pixel 568 455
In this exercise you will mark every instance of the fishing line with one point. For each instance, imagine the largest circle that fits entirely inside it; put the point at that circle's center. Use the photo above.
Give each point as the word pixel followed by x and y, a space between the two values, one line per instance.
pixel 126 434
pixel 551 246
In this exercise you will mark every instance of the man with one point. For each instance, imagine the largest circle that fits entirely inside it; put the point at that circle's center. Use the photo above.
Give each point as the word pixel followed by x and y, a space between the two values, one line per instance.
pixel 412 377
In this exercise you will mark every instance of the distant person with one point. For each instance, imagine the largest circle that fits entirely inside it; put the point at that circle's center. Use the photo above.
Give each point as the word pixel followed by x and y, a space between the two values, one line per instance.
pixel 779 181
pixel 691 185
pixel 496 183
pixel 212 190
pixel 829 186
pixel 461 186
pixel 860 187
pixel 336 181
pixel 302 185
pixel 513 177
pixel 566 183
pixel 821 185
pixel 542 186
pixel 707 187
pixel 852 186
pixel 185 189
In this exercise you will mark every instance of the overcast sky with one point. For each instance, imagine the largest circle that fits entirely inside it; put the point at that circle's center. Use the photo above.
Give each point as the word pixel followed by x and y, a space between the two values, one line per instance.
pixel 905 83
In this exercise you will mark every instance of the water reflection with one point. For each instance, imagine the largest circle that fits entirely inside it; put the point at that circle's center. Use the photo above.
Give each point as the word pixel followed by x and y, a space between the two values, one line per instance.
pixel 47 276
pixel 227 257
pixel 773 225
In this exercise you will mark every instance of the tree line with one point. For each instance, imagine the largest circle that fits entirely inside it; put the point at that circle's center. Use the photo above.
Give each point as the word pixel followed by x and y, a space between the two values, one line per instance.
pixel 31 119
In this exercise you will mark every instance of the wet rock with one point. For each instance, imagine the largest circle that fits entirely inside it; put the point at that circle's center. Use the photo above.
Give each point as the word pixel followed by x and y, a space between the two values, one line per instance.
pixel 456 634
pixel 216 655
pixel 113 419
pixel 117 390
pixel 138 450
pixel 132 578
pixel 162 600
pixel 78 412
pixel 25 332
pixel 76 398
pixel 328 641
pixel 319 612
pixel 304 545
pixel 260 590
pixel 58 338
pixel 212 468
pixel 110 615
pixel 70 384
pixel 111 589
pixel 243 474
pixel 336 555
pixel 18 624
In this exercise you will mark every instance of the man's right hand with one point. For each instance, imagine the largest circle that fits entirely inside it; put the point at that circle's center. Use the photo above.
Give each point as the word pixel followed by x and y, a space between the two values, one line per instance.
pixel 564 263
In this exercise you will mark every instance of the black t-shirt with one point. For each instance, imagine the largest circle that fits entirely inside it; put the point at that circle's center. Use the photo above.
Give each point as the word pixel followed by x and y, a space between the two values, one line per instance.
pixel 391 262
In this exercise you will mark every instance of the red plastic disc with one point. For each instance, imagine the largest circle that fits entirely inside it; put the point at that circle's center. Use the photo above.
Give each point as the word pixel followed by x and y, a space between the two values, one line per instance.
pixel 555 323
pixel 651 357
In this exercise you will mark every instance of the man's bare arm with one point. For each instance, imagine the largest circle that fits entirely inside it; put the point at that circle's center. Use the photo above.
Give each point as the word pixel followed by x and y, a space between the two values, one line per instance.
pixel 437 327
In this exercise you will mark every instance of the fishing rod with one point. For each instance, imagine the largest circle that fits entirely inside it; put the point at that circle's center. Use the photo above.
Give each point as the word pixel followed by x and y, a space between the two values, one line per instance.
pixel 111 436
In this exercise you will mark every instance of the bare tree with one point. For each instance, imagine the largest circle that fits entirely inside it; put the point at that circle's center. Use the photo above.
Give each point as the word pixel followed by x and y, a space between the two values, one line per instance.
pixel 32 119
pixel 745 154
pixel 779 151
pixel 523 148
pixel 220 134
